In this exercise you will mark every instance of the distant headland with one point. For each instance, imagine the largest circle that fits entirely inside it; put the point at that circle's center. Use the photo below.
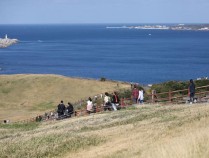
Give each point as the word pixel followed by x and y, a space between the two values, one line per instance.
pixel 5 42
pixel 194 27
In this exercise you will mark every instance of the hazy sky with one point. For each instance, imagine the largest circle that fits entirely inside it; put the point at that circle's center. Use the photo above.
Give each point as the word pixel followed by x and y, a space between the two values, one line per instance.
pixel 103 11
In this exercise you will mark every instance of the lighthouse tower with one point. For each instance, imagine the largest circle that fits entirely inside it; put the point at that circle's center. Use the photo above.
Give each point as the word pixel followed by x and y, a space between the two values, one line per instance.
pixel 6 36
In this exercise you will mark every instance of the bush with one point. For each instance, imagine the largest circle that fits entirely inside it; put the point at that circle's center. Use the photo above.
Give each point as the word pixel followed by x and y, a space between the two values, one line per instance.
pixel 178 85
pixel 102 79
pixel 125 93
pixel 200 83
pixel 170 86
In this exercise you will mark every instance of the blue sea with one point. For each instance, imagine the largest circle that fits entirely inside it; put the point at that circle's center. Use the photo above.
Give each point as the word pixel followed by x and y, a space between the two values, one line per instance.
pixel 94 51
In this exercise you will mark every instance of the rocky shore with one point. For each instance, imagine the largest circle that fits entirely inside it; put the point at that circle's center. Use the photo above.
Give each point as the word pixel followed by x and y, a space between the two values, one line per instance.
pixel 5 42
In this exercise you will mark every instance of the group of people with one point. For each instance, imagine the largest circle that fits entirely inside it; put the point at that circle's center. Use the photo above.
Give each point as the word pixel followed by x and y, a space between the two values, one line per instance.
pixel 137 95
pixel 111 102
pixel 64 111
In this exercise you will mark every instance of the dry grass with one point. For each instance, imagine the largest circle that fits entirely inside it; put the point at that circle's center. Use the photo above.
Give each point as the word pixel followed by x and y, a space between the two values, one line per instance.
pixel 24 96
pixel 146 132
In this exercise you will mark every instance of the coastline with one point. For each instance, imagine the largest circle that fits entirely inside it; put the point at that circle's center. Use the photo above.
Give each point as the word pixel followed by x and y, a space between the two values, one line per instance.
pixel 179 27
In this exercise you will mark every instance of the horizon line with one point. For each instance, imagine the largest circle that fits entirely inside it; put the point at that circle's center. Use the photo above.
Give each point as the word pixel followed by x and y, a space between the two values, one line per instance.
pixel 99 23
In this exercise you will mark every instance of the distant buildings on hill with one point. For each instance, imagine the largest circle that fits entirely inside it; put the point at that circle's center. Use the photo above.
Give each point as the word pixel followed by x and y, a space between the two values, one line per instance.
pixel 197 27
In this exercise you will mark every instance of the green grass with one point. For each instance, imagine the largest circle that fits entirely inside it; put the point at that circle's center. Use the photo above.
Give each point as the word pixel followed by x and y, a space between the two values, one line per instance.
pixel 20 126
pixel 5 90
pixel 43 106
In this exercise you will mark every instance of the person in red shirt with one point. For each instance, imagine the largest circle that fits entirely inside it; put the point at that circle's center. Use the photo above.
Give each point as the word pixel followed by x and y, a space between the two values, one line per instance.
pixel 135 94
pixel 115 101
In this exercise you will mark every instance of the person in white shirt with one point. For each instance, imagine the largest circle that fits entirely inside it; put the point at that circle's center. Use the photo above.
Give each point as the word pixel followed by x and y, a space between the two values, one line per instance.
pixel 107 102
pixel 141 96
pixel 89 106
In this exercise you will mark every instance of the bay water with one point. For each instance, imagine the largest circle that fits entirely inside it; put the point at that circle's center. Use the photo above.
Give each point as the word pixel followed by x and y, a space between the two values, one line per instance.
pixel 94 51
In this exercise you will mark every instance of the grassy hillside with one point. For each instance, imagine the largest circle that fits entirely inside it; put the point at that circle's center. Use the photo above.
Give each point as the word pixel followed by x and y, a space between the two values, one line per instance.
pixel 150 131
pixel 23 96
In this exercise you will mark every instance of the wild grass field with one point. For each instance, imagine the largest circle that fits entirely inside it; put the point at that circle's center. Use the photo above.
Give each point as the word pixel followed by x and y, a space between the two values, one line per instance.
pixel 148 131
pixel 144 131
pixel 25 96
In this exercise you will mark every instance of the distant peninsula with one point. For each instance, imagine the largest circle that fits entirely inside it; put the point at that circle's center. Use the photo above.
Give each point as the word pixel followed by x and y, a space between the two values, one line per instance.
pixel 194 27
pixel 5 42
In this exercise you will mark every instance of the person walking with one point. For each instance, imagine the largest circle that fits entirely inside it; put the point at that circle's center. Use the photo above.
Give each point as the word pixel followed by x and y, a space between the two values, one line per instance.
pixel 141 96
pixel 115 101
pixel 135 94
pixel 191 91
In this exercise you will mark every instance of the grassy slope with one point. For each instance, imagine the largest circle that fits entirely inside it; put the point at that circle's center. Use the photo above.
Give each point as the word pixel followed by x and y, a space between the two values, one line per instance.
pixel 23 96
pixel 148 131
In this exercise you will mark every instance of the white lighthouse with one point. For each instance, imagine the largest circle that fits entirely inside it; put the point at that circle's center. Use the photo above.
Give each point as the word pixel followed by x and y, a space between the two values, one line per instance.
pixel 6 36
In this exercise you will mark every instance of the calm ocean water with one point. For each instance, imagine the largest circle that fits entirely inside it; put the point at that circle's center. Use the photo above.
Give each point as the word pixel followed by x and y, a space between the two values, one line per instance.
pixel 92 51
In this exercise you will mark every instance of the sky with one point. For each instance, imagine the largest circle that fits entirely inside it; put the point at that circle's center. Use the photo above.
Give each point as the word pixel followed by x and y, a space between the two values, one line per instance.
pixel 103 11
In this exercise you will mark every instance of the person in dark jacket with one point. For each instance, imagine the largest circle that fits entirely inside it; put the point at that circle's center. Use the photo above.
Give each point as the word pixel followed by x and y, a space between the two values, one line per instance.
pixel 61 109
pixel 70 109
pixel 191 91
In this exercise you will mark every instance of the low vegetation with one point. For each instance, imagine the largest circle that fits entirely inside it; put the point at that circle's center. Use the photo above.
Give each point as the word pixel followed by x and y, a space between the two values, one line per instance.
pixel 179 90
pixel 26 96
pixel 20 126
pixel 177 85
pixel 151 131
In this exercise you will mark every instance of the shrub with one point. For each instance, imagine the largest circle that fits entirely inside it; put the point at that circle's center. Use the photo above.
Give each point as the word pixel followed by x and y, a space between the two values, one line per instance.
pixel 125 93
pixel 178 85
pixel 102 79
